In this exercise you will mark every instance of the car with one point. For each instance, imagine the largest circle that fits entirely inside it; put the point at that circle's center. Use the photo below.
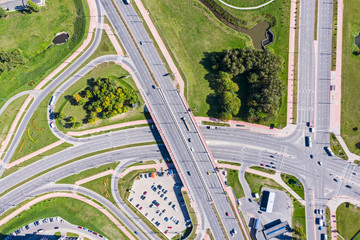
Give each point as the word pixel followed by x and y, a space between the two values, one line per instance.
pixel 159 192
pixel 52 125
pixel 169 227
pixel 160 214
pixel 153 86
pixel 268 166
pixel 151 205
pixel 137 205
pixel 146 214
pixel 157 211
pixel 177 222
pixel 166 231
pixel 95 233
pixel 161 195
pixel 308 124
pixel 354 173
pixel 311 130
pixel 320 163
pixel 51 219
pixel 165 192
pixel 165 198
pixel 260 212
pixel 189 139
pixel 140 208
pixel 322 211
pixel 272 163
pixel 141 43
pixel 84 228
pixel 152 219
pixel 336 180
pixel 273 167
pixel 145 175
pixel 348 186
pixel 188 172
pixel 170 203
pixel 40 230
pixel 250 200
pixel 227 214
pixel 141 175
pixel 272 156
pixel 90 231
pixel 166 219
pixel 27 227
pixel 164 210
pixel 159 186
pixel 208 173
pixel 131 199
pixel 79 227
pixel 56 227
pixel 173 206
pixel 311 156
pixel 192 149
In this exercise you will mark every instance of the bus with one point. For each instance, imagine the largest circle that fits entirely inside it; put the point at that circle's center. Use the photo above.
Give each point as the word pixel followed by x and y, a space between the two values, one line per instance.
pixel 52 100
pixel 186 124
pixel 308 142
pixel 328 151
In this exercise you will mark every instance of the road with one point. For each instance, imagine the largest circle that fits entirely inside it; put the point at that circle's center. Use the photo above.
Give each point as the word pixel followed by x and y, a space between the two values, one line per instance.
pixel 168 109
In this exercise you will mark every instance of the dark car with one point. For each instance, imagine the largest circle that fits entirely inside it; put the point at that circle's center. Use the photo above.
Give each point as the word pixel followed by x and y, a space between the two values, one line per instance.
pixel 336 180
pixel 188 172
pixel 311 156
pixel 227 214
pixel 348 186
pixel 153 86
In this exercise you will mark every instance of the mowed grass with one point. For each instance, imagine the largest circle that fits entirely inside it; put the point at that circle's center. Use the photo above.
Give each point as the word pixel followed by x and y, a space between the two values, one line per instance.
pixel 71 210
pixel 37 133
pixel 266 170
pixel 347 220
pixel 103 70
pixel 189 30
pixel 102 186
pixel 245 3
pixel 350 82
pixel 291 181
pixel 234 183
pixel 33 33
pixel 280 9
pixel 8 116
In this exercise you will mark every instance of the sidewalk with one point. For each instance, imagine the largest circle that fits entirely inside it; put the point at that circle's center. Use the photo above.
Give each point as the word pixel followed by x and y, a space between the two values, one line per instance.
pixel 68 195
pixel 139 167
pixel 277 178
pixel 113 39
pixel 38 152
pixel 96 176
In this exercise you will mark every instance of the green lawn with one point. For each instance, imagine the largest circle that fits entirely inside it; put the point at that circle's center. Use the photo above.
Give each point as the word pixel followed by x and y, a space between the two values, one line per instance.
pixel 189 30
pixel 37 32
pixel 230 163
pixel 102 70
pixel 337 148
pixel 70 234
pixel 88 173
pixel 102 186
pixel 280 9
pixel 350 83
pixel 347 220
pixel 291 182
pixel 245 3
pixel 266 170
pixel 8 116
pixel 234 183
pixel 192 217
pixel 59 148
pixel 328 219
pixel 68 209
pixel 37 133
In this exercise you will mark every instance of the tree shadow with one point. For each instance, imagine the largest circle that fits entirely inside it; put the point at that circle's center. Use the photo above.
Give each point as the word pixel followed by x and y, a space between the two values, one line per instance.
pixel 357 145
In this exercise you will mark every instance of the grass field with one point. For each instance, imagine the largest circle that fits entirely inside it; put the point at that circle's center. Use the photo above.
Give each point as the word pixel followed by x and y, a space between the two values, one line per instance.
pixel 37 133
pixel 234 183
pixel 231 163
pixel 72 210
pixel 189 30
pixel 280 9
pixel 291 182
pixel 102 186
pixel 37 32
pixel 88 173
pixel 337 148
pixel 256 184
pixel 350 83
pixel 102 70
pixel 192 216
pixel 8 116
pixel 347 220
pixel 266 170
pixel 245 3
pixel 59 148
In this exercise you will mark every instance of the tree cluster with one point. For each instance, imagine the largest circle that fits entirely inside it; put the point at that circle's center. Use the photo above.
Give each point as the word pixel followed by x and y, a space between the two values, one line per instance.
pixel 3 13
pixel 33 7
pixel 106 99
pixel 10 60
pixel 260 69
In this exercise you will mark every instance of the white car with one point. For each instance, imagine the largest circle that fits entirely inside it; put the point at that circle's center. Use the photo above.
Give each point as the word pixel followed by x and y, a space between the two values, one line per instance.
pixel 320 163
pixel 52 125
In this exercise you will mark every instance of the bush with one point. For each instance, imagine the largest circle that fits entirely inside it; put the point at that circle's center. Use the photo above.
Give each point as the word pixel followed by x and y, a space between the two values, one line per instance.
pixel 2 13
pixel 33 6
pixel 10 60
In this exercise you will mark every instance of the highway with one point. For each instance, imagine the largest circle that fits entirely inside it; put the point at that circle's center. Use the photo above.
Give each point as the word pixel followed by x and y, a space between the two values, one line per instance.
pixel 168 109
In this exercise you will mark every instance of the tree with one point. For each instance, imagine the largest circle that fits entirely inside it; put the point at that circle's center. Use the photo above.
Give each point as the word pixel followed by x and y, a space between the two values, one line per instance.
pixel 73 119
pixel 62 115
pixel 3 13
pixel 77 97
pixel 33 6
pixel 76 125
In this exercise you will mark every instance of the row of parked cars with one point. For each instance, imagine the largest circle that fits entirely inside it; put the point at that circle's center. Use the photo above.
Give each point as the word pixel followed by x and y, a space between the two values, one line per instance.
pixel 90 231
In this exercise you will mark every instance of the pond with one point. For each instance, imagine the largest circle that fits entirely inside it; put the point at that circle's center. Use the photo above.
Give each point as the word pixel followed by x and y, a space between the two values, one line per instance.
pixel 61 38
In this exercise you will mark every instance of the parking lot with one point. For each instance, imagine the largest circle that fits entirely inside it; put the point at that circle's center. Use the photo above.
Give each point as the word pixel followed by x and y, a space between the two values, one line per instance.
pixel 160 200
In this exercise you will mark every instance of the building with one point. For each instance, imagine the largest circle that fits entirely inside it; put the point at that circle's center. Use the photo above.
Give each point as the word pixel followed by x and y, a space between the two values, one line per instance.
pixel 267 202
pixel 276 230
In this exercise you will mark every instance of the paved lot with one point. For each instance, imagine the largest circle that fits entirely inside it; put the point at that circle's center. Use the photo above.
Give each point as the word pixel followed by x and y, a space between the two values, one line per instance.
pixel 168 195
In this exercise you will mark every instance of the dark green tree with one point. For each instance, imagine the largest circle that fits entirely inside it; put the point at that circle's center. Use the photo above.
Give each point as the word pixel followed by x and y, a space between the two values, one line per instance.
pixel 3 13
pixel 33 6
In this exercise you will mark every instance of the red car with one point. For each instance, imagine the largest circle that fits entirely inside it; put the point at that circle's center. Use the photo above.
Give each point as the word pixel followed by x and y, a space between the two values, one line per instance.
pixel 169 227
pixel 145 193
pixel 166 231
pixel 227 214
pixel 261 164
pixel 94 233
pixel 79 227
